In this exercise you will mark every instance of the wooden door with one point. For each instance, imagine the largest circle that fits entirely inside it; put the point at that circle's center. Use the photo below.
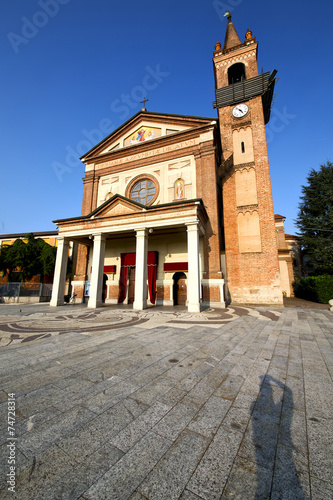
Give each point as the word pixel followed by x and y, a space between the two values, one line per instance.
pixel 181 292
pixel 131 285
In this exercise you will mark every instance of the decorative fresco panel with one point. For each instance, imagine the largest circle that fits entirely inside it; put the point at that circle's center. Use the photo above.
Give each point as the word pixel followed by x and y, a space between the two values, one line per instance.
pixel 142 134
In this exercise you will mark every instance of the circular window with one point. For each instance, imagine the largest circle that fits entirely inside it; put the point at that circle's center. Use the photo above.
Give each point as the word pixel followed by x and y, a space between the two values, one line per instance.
pixel 143 190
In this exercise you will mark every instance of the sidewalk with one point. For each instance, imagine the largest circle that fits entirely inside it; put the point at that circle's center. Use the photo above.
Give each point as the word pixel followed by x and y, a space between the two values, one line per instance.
pixel 307 304
pixel 113 404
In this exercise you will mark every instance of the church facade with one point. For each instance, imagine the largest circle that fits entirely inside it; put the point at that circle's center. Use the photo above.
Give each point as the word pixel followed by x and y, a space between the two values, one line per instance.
pixel 178 209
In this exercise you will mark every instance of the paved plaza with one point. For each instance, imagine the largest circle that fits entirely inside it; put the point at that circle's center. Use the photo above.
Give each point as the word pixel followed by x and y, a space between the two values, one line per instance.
pixel 162 404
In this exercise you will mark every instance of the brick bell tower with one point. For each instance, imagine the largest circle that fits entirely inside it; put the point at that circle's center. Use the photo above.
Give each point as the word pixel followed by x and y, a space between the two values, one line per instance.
pixel 243 100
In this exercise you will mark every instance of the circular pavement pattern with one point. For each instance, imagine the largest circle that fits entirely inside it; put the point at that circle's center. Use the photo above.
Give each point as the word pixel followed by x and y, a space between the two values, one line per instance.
pixel 26 327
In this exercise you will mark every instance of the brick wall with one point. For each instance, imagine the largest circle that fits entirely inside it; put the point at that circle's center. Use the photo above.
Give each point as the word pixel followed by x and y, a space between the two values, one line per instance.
pixel 163 292
pixel 207 190
pixel 253 276
pixel 211 293
pixel 113 292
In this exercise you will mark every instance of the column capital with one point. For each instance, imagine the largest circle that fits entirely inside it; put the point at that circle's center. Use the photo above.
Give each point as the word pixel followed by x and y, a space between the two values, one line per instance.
pixel 141 231
pixel 195 226
pixel 192 226
pixel 100 236
pixel 62 239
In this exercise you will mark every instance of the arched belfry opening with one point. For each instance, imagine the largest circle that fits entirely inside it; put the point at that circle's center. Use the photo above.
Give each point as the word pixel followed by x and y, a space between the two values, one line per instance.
pixel 236 73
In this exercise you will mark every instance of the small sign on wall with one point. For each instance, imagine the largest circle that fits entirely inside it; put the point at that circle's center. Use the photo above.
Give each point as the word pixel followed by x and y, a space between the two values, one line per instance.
pixel 87 289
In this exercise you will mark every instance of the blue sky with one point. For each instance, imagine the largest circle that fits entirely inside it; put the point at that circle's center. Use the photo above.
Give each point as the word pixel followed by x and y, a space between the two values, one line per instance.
pixel 73 71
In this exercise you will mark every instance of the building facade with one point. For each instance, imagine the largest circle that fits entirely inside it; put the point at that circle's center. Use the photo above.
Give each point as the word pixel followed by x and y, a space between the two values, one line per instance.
pixel 38 288
pixel 178 209
pixel 49 237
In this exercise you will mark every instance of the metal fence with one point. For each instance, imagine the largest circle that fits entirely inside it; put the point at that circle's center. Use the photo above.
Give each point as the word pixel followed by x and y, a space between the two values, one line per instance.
pixel 15 291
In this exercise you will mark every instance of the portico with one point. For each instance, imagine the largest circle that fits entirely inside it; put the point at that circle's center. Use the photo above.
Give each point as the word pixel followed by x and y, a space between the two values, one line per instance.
pixel 120 220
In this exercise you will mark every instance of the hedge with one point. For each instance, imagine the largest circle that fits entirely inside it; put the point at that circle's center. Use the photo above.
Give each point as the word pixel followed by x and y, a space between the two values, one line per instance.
pixel 314 288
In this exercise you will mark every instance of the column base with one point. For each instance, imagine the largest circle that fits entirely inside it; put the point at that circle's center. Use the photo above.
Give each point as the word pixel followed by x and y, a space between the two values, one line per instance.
pixel 57 302
pixel 139 305
pixel 94 304
pixel 111 301
pixel 164 302
pixel 193 308
pixel 218 305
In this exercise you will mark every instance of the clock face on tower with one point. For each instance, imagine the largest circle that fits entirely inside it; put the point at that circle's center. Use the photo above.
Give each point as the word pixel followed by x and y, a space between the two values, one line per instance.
pixel 240 110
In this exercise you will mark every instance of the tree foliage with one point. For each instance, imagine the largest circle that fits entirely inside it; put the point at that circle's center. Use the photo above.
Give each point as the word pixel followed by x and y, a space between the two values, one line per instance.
pixel 315 288
pixel 35 257
pixel 315 220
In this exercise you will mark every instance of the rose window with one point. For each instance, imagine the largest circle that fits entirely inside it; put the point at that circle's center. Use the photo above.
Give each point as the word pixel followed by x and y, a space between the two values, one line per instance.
pixel 143 191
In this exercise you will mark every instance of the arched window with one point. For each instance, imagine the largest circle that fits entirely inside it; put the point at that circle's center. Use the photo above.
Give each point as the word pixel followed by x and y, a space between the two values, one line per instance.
pixel 236 73
pixel 143 189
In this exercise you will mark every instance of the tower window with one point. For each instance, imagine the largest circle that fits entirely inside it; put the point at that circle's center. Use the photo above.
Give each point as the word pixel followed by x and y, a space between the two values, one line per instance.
pixel 243 147
pixel 236 73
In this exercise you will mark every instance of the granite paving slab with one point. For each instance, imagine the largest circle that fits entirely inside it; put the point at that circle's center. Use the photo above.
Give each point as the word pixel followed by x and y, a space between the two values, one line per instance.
pixel 162 404
pixel 172 472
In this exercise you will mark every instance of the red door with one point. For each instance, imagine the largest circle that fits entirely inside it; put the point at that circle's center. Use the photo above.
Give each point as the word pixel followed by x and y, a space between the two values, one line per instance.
pixel 131 286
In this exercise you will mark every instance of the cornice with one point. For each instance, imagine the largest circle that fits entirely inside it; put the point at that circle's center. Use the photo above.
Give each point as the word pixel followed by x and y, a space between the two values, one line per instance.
pixel 227 59
pixel 241 124
pixel 245 166
pixel 157 143
pixel 248 208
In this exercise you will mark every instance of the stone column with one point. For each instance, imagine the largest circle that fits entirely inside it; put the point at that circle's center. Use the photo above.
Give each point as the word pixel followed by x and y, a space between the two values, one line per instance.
pixel 58 289
pixel 193 280
pixel 96 282
pixel 140 293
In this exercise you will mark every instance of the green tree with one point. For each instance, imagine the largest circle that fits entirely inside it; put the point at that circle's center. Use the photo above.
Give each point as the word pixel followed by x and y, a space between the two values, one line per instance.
pixel 36 257
pixel 12 257
pixel 315 220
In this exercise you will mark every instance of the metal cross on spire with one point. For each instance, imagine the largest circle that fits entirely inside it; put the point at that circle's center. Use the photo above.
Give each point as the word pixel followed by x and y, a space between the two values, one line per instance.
pixel 144 104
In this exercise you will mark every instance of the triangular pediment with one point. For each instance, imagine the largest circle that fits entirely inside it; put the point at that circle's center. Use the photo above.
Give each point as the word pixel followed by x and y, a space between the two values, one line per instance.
pixel 143 128
pixel 116 206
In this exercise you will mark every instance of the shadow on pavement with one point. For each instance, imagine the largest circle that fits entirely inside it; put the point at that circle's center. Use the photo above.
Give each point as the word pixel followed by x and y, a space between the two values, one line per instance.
pixel 272 456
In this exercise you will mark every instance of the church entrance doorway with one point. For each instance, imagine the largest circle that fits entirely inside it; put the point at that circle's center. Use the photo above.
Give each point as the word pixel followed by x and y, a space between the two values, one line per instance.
pixel 127 277
pixel 131 285
pixel 179 289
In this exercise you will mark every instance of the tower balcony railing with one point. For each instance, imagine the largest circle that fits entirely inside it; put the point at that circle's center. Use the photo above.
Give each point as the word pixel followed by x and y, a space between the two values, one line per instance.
pixel 248 89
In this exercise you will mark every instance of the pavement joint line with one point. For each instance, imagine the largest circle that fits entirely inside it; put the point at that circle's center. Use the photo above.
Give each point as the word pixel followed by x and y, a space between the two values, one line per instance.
pixel 203 388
